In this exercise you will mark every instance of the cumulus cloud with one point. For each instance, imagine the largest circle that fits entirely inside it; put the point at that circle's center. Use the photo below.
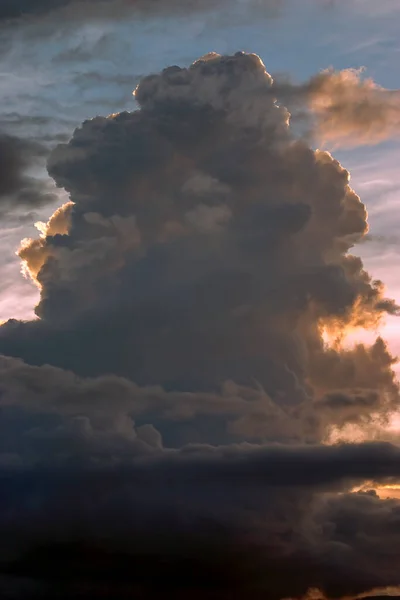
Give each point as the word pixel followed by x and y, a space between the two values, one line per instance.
pixel 203 236
pixel 177 386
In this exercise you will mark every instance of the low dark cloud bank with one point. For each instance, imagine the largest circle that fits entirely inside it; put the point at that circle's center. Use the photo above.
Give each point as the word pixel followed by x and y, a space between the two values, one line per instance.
pixel 167 421
pixel 219 523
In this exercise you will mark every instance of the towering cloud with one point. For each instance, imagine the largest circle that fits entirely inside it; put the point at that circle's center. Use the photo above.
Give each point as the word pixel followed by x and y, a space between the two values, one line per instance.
pixel 176 386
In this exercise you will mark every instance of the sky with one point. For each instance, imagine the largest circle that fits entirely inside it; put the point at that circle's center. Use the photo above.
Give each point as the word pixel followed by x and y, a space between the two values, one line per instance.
pixel 199 297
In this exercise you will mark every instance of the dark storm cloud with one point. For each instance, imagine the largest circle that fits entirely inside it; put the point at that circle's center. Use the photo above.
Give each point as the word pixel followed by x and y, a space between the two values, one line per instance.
pixel 177 379
pixel 67 438
pixel 222 524
pixel 17 187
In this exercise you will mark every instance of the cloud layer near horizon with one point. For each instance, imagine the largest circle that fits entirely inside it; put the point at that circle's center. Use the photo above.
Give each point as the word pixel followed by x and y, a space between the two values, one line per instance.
pixel 177 384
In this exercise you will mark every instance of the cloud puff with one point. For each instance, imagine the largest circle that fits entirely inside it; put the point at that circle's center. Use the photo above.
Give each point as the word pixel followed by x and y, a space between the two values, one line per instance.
pixel 177 386
pixel 346 108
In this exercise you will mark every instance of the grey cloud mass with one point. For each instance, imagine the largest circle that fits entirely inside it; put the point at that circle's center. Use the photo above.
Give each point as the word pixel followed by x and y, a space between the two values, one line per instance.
pixel 17 187
pixel 175 414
